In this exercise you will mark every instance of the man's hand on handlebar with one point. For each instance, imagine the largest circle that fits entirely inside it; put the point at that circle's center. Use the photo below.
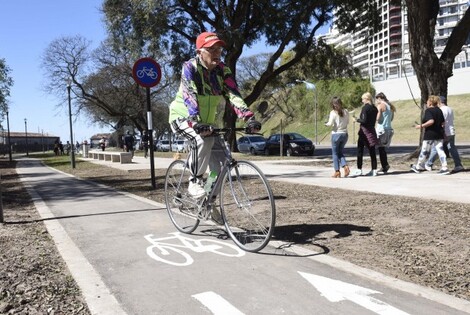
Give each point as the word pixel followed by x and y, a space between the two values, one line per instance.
pixel 203 130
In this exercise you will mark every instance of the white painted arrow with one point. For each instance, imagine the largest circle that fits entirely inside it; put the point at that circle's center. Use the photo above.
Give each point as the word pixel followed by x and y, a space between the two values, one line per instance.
pixel 335 291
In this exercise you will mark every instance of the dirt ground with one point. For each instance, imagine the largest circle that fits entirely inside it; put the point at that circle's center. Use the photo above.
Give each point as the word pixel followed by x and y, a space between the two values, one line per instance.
pixel 421 241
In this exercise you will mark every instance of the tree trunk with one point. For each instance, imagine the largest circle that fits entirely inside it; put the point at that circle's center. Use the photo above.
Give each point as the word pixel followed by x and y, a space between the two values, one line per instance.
pixel 432 71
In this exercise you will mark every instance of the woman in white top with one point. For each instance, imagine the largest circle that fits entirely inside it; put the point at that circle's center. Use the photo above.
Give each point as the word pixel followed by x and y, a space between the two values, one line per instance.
pixel 338 120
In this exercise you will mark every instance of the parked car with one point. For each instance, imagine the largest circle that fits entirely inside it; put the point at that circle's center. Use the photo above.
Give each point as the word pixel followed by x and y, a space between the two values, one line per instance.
pixel 293 144
pixel 251 144
pixel 162 145
pixel 179 145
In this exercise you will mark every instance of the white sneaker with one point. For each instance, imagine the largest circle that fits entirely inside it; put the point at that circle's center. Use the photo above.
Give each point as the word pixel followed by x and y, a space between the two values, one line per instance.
pixel 428 167
pixel 196 190
pixel 416 169
pixel 357 172
pixel 458 169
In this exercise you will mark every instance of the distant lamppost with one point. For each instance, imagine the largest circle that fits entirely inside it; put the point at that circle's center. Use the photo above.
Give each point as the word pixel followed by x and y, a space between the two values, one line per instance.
pixel 311 86
pixel 9 143
pixel 26 135
pixel 42 140
pixel 72 154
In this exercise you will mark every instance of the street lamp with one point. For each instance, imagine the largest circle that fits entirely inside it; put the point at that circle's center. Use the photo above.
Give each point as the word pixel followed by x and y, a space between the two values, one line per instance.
pixel 311 86
pixel 26 135
pixel 72 154
pixel 9 143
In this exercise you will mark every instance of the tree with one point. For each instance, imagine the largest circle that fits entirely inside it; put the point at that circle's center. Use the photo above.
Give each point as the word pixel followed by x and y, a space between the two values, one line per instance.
pixel 141 26
pixel 6 82
pixel 325 62
pixel 433 72
pixel 108 95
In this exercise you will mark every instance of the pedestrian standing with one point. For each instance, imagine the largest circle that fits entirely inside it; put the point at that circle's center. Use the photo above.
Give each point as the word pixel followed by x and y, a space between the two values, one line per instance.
pixel 129 142
pixel 386 112
pixel 367 137
pixel 338 120
pixel 102 143
pixel 145 143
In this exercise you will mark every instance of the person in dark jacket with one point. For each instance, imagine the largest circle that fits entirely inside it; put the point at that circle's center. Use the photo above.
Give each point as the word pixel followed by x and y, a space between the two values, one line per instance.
pixel 129 142
pixel 367 137
pixel 433 124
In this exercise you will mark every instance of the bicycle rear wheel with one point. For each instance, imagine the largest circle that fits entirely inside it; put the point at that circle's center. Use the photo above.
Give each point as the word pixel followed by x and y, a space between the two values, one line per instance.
pixel 180 206
pixel 247 205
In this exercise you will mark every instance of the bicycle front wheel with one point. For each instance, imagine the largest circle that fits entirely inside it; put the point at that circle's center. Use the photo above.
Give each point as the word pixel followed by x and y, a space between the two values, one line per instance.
pixel 248 207
pixel 180 206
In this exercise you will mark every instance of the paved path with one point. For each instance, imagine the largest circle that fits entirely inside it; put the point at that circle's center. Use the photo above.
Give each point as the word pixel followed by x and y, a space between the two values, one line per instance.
pixel 127 259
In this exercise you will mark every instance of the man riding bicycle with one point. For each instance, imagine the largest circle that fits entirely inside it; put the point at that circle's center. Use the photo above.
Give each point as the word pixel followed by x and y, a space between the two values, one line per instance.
pixel 205 84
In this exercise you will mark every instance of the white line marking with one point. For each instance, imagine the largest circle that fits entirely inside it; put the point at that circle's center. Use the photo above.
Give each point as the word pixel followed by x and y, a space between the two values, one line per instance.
pixel 216 304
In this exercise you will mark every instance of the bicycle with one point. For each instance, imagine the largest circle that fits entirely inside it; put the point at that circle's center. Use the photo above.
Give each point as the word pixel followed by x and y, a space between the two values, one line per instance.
pixel 241 192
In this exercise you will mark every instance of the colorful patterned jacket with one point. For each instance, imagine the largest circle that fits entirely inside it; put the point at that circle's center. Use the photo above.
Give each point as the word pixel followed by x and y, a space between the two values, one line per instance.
pixel 201 93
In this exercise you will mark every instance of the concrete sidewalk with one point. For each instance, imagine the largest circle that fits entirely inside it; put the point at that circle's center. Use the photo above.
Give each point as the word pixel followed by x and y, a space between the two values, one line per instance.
pixel 427 185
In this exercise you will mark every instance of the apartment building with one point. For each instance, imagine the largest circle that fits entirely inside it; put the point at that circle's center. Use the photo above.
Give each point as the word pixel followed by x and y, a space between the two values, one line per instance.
pixel 385 55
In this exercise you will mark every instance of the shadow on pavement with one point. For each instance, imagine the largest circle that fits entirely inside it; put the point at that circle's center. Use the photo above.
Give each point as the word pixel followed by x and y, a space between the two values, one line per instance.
pixel 308 233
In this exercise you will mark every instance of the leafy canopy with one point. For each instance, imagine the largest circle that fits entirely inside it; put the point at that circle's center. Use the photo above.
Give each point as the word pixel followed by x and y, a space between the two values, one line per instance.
pixel 149 27
pixel 6 82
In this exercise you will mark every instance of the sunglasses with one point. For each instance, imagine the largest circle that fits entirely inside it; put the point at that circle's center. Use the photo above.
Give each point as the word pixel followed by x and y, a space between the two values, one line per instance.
pixel 212 50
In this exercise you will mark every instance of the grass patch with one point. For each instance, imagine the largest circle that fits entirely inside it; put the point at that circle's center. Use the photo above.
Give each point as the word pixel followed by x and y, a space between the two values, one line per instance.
pixel 407 113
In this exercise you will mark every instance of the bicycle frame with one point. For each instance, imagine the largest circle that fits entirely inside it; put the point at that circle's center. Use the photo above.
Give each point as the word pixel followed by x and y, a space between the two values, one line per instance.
pixel 205 204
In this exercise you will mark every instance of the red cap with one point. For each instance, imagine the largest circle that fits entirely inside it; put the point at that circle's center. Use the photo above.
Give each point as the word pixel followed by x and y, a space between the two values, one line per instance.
pixel 208 39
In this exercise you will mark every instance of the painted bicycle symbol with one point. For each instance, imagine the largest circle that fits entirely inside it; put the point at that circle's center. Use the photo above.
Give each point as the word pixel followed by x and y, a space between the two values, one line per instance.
pixel 171 253
pixel 149 72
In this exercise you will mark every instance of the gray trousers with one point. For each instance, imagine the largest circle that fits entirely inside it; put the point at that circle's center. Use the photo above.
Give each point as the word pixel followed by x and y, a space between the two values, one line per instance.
pixel 203 152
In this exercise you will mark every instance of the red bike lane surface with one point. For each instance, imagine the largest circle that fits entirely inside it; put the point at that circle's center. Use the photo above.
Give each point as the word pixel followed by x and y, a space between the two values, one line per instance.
pixel 140 265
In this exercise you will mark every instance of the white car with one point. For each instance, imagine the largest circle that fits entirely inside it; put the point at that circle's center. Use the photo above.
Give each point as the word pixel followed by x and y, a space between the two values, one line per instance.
pixel 179 145
pixel 162 145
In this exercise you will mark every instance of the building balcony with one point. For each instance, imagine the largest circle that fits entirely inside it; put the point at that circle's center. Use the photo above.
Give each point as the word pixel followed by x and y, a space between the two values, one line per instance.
pixel 446 3
pixel 397 55
pixel 443 36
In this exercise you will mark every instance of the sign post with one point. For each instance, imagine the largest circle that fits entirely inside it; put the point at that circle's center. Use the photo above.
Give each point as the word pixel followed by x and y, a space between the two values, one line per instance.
pixel 147 73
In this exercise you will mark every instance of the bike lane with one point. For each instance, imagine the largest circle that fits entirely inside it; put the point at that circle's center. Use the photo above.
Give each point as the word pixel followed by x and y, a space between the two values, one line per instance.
pixel 125 255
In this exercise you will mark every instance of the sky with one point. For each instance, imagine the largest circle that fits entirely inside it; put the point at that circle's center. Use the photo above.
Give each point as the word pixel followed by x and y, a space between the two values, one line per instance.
pixel 27 27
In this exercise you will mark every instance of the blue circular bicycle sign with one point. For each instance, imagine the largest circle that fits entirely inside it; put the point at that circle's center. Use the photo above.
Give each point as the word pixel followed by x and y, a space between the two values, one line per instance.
pixel 147 72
